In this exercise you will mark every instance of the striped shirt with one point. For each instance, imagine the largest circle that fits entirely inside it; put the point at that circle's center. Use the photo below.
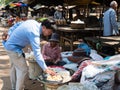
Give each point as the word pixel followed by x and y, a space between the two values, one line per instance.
pixel 51 53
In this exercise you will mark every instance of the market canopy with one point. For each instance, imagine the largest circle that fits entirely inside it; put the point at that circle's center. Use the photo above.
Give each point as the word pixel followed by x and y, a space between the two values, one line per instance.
pixel 86 2
pixel 32 3
pixel 69 2
pixel 78 2
pixel 17 4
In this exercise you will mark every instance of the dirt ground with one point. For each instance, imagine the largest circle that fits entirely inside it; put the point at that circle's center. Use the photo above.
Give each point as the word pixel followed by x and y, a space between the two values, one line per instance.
pixel 5 78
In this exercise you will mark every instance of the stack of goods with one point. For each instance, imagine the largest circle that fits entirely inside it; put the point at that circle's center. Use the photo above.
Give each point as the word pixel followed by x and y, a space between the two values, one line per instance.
pixel 60 21
pixel 77 24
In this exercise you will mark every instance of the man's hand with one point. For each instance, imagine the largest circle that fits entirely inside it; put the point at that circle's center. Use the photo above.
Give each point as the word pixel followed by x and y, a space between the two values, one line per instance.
pixel 48 71
pixel 5 36
pixel 55 62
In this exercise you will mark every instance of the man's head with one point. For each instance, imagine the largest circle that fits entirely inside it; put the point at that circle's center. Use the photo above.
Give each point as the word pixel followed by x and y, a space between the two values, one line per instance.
pixel 114 5
pixel 48 26
pixel 23 16
pixel 60 8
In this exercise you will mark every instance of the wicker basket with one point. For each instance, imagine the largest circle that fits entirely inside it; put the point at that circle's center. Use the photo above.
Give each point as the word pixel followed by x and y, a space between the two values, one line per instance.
pixel 34 70
pixel 52 86
pixel 77 26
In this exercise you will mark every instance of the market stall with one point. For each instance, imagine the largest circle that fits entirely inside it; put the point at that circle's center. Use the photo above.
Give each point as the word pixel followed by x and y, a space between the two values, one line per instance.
pixel 62 77
pixel 13 10
pixel 112 42
pixel 71 35
pixel 104 71
pixel 16 8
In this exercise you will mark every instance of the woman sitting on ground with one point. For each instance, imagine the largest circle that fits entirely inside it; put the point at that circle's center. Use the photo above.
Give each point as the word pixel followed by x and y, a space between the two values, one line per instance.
pixel 51 51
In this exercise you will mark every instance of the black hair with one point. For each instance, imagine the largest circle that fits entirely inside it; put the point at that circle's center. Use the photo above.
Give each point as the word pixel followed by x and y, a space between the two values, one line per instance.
pixel 49 24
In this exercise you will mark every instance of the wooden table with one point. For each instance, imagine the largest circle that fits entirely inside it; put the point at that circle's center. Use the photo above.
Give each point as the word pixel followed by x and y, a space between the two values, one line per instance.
pixel 71 35
pixel 113 41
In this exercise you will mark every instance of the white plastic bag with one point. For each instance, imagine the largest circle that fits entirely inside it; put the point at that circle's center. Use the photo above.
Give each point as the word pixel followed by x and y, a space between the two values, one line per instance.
pixel 95 56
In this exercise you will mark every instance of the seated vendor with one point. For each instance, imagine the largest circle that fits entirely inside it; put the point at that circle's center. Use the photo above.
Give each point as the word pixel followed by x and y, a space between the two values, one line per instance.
pixel 51 51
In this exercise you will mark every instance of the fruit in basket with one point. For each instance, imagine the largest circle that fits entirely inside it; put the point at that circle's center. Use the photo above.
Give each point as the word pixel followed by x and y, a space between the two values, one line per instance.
pixel 57 78
pixel 63 75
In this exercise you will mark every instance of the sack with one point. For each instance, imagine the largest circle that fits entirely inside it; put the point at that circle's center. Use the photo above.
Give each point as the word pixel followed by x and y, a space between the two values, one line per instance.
pixel 78 86
pixel 104 81
pixel 117 77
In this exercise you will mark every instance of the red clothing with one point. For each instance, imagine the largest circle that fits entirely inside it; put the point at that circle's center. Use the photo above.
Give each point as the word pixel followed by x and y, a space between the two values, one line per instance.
pixel 80 68
pixel 51 53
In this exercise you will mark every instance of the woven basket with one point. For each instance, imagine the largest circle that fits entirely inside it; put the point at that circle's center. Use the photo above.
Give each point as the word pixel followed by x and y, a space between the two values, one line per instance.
pixel 52 86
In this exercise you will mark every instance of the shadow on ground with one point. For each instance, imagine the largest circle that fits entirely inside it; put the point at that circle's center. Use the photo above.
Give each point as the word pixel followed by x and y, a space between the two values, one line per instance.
pixel 29 84
pixel 5 81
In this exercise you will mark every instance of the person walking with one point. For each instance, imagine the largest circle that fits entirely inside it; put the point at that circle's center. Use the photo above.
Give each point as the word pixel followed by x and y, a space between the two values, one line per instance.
pixel 109 20
pixel 58 14
pixel 27 33
pixel 19 19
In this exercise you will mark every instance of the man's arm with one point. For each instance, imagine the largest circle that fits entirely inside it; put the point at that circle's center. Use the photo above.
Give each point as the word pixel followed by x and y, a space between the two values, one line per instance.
pixel 35 43
pixel 114 22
